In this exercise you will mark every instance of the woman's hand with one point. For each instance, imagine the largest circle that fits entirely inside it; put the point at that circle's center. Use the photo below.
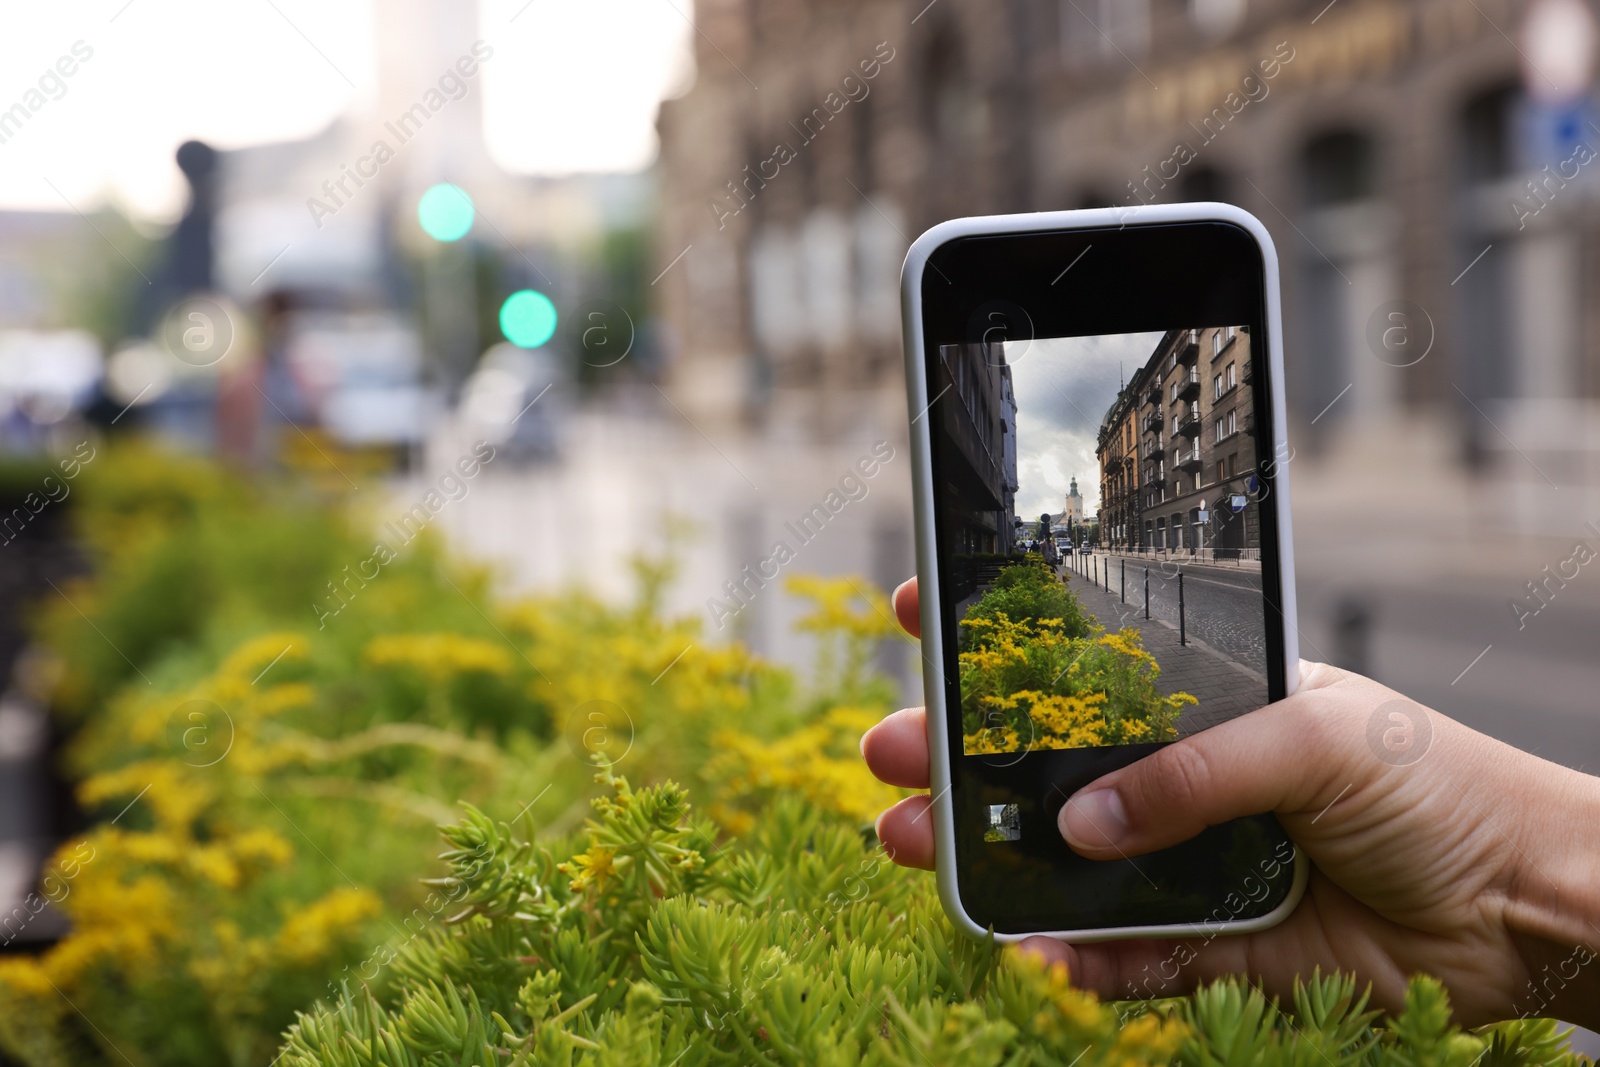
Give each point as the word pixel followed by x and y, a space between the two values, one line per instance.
pixel 1434 849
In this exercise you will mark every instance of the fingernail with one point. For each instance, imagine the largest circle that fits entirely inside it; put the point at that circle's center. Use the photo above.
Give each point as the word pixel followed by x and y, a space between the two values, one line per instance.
pixel 1093 820
pixel 863 745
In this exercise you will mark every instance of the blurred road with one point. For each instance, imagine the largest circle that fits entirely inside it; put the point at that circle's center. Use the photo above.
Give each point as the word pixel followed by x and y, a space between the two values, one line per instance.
pixel 1432 555
pixel 1429 553
pixel 1457 648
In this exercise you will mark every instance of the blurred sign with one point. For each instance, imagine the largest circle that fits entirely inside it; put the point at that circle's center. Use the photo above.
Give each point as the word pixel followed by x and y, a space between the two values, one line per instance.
pixel 1550 134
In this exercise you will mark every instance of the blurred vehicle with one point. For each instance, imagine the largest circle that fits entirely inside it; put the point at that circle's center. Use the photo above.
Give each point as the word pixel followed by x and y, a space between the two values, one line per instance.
pixel 517 399
pixel 44 377
pixel 361 377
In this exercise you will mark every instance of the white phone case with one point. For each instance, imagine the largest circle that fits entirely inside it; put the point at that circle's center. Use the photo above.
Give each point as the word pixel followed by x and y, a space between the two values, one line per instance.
pixel 922 491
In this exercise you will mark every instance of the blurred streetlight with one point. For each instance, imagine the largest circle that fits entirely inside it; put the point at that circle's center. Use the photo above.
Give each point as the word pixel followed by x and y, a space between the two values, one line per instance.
pixel 446 212
pixel 528 318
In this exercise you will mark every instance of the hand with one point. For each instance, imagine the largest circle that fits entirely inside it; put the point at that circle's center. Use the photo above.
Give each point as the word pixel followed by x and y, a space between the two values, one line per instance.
pixel 1475 863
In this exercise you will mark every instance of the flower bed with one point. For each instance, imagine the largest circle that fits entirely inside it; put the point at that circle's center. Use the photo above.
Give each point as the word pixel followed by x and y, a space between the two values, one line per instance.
pixel 266 786
pixel 1036 673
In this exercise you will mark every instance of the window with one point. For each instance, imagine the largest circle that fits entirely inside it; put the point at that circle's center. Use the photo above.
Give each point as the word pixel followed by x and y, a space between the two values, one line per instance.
pixel 1100 32
pixel 1233 421
pixel 1174 391
pixel 1218 384
pixel 1222 470
pixel 1216 345
pixel 1177 487
pixel 1218 427
pixel 1232 372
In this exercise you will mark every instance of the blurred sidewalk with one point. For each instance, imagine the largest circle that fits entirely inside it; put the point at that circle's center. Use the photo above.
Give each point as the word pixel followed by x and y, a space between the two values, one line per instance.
pixel 626 473
pixel 1407 567
pixel 1406 562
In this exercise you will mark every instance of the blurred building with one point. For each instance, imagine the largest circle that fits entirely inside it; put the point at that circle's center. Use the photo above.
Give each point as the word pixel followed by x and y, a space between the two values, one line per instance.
pixel 1424 166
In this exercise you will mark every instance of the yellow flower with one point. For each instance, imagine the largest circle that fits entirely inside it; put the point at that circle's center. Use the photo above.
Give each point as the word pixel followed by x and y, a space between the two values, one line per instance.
pixel 991 741
pixel 24 977
pixel 173 794
pixel 595 866
pixel 821 761
pixel 261 846
pixel 438 655
pixel 278 698
pixel 1126 641
pixel 312 933
pixel 215 865
pixel 852 606
pixel 249 659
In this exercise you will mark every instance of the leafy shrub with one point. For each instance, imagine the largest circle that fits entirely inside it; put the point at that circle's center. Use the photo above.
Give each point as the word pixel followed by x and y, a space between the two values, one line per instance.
pixel 265 855
pixel 1027 591
pixel 260 777
pixel 649 943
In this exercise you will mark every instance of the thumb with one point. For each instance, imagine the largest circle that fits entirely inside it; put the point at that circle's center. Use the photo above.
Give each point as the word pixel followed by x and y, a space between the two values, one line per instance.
pixel 1281 758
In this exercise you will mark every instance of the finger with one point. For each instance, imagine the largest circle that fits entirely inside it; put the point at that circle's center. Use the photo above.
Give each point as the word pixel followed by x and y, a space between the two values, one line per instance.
pixel 906 831
pixel 1282 758
pixel 906 607
pixel 896 750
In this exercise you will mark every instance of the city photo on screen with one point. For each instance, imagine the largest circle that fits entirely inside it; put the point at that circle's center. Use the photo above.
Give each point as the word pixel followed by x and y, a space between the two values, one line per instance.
pixel 1099 504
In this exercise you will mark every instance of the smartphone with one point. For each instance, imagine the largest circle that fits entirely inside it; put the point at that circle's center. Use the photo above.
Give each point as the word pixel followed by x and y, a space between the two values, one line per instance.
pixel 1103 547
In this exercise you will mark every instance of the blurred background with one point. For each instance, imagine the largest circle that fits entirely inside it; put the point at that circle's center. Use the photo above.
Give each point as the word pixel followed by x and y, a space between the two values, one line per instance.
pixel 648 251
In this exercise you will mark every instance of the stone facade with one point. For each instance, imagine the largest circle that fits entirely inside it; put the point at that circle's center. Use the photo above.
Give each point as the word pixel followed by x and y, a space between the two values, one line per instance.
pixel 1386 145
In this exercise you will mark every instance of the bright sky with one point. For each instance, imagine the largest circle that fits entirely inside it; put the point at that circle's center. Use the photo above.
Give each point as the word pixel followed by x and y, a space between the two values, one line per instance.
pixel 1064 387
pixel 573 86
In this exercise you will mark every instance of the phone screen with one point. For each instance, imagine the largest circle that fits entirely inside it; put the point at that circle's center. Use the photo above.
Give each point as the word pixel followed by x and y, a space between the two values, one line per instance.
pixel 1103 471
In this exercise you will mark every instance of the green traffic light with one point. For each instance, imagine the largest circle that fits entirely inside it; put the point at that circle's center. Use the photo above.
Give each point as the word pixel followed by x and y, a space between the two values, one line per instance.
pixel 445 212
pixel 528 318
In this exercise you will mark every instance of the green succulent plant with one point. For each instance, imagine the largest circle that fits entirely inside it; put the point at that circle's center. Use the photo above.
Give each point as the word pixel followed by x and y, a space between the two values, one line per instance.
pixel 649 942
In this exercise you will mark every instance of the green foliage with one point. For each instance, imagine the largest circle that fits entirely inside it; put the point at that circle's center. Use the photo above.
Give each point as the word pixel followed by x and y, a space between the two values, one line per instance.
pixel 275 871
pixel 1026 591
pixel 273 838
pixel 657 945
